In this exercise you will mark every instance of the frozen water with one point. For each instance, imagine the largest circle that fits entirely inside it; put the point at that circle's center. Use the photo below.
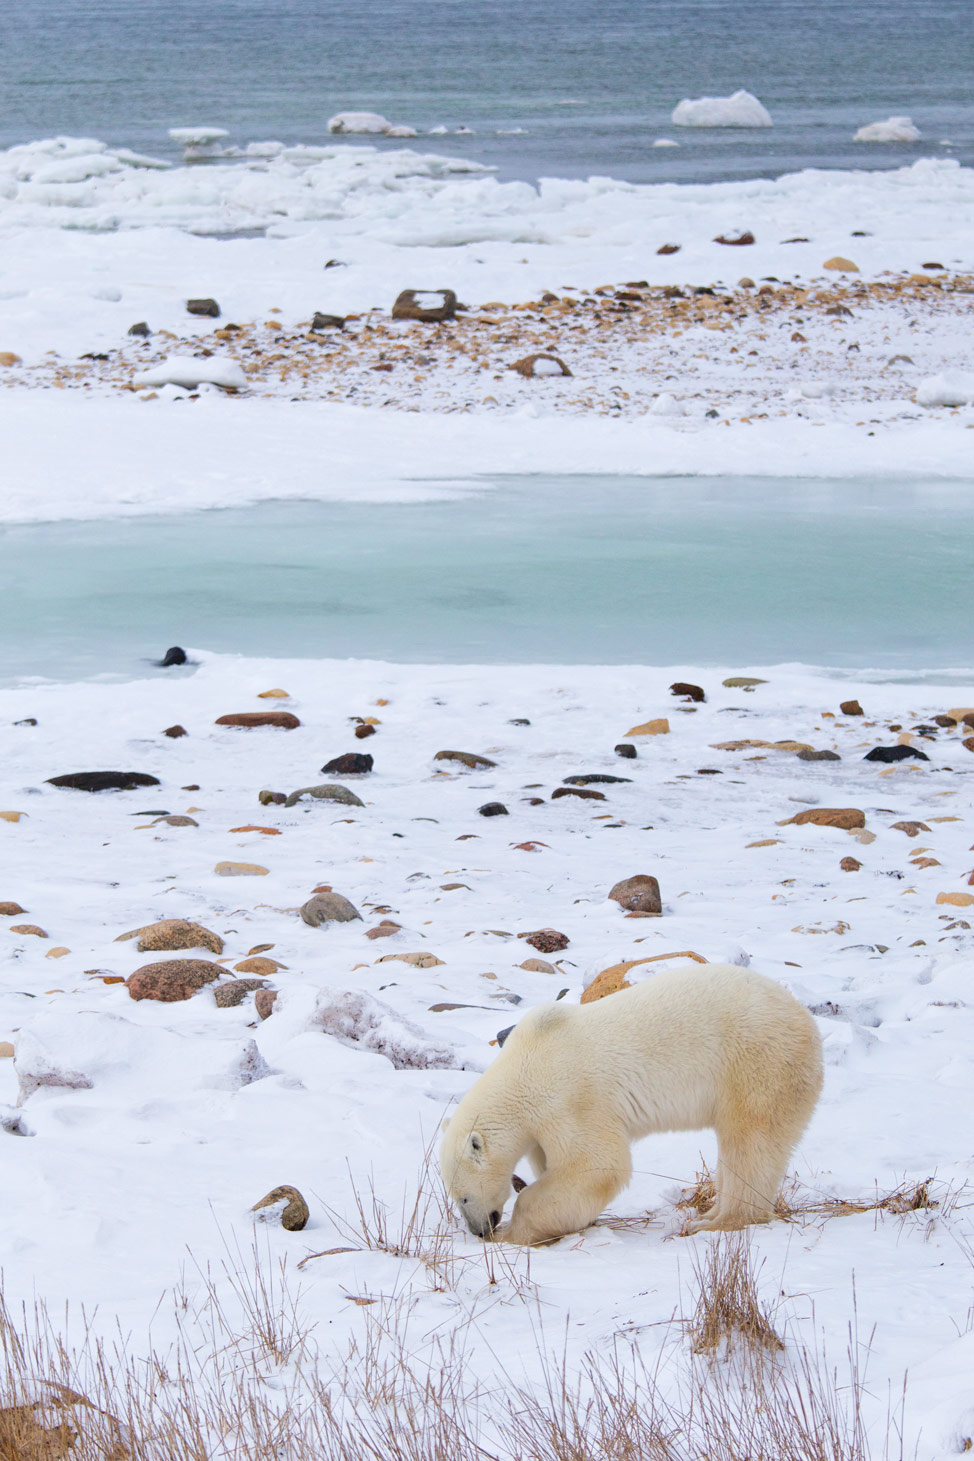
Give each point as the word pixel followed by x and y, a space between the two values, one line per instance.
pixel 740 110
pixel 896 129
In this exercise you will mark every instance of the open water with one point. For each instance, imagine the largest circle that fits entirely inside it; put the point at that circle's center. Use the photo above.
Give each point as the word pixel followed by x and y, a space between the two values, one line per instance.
pixel 664 571
pixel 591 86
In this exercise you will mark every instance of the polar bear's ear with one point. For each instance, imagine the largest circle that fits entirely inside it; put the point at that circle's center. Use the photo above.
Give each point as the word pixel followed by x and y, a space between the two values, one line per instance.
pixel 476 1149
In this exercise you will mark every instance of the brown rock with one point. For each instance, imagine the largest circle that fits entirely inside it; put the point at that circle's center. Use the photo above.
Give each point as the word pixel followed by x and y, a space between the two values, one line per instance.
pixel 850 864
pixel 693 692
pixel 275 694
pixel 961 712
pixel 581 791
pixel 264 1001
pixel 968 743
pixel 272 798
pixel 660 727
pixel 250 719
pixel 175 731
pixel 383 930
pixel 173 933
pixel 851 707
pixel 58 952
pixel 668 249
pixel 363 731
pixel 240 870
pixel 742 682
pixel 527 366
pixel 466 758
pixel 172 979
pixel 912 829
pixel 807 754
pixel 352 763
pixel 28 928
pixel 638 894
pixel 10 910
pixel 844 266
pixel 421 960
pixel 208 307
pixel 7 357
pixel 6 1050
pixel 538 966
pixel 407 307
pixel 252 827
pixel 741 239
pixel 610 981
pixel 946 722
pixel 227 996
pixel 327 322
pixel 546 940
pixel 177 821
pixel 328 908
pixel 254 964
pixel 958 900
pixel 295 1213
pixel 848 818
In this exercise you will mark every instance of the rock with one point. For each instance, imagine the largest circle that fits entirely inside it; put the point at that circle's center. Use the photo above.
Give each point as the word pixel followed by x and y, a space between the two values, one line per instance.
pixel 353 763
pixel 227 996
pixel 806 754
pixel 255 964
pixel 385 929
pixel 742 682
pixel 173 933
pixel 737 241
pixel 178 821
pixel 272 798
pixel 327 322
pixel 850 864
pixel 912 829
pixel 588 777
pixel 957 900
pixel 843 266
pixel 33 929
pixel 538 966
pixel 493 809
pixel 174 732
pixel 546 940
pixel 6 1050
pixel 208 307
pixel 610 981
pixel 847 818
pixel 240 870
pixel 275 694
pixel 532 366
pixel 961 712
pixel 895 753
pixel 363 731
pixel 264 831
pixel 172 980
pixel 7 357
pixel 851 707
pixel 629 753
pixel 328 908
pixel 250 719
pixel 417 304
pixel 466 758
pixel 285 1202
pixel 173 656
pixel 638 894
pixel 327 793
pixel 264 1002
pixel 582 792
pixel 103 780
pixel 10 910
pixel 693 692
pixel 668 249
pixel 659 727
pixel 421 960
pixel 140 328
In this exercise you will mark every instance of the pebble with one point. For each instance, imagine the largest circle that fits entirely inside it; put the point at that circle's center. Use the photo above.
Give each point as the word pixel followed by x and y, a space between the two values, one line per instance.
pixel 207 307
pixel 466 758
pixel 328 908
pixel 659 727
pixel 275 694
pixel 629 753
pixel 240 870
pixel 172 979
pixel 174 732
pixel 850 864
pixel 103 780
pixel 363 731
pixel 638 894
pixel 493 809
pixel 252 719
pixel 286 1201
pixel 352 763
pixel 227 996
pixel 329 793
pixel 173 933
pixel 851 707
pixel 538 966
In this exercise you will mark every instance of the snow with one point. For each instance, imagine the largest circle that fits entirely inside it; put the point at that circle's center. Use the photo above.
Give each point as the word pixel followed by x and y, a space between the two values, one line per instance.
pixel 186 370
pixel 363 122
pixel 197 136
pixel 895 129
pixel 742 109
pixel 948 388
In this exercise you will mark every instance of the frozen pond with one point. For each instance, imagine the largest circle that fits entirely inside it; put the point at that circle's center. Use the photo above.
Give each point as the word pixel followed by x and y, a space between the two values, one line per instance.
pixel 558 570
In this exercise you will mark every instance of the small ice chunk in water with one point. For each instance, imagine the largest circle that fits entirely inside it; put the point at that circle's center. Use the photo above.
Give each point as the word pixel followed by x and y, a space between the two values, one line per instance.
pixel 362 122
pixel 740 110
pixel 665 142
pixel 949 388
pixel 197 136
pixel 439 131
pixel 187 371
pixel 894 129
pixel 401 132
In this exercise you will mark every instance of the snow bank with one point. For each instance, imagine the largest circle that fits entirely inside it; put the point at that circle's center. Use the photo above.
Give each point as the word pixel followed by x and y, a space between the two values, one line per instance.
pixel 949 388
pixel 740 110
pixel 895 129
pixel 187 370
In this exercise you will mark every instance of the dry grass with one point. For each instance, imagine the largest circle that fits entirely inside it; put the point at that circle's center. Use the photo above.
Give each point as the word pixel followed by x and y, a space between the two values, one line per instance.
pixel 729 1310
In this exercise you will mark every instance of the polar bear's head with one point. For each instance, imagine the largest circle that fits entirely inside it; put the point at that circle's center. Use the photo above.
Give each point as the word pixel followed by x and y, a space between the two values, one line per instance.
pixel 478 1181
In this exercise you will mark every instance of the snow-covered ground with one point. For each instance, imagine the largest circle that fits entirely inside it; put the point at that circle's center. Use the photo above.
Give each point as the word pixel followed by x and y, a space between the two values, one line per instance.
pixel 154 1127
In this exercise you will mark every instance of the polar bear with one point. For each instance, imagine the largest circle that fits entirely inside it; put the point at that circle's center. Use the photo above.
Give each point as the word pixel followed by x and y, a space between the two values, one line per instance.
pixel 698 1046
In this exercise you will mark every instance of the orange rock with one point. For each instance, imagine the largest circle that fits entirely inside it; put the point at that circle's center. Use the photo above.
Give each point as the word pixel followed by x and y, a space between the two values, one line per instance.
pixel 273 695
pixel 251 719
pixel 957 900
pixel 843 266
pixel 257 965
pixel 659 727
pixel 847 818
pixel 267 831
pixel 30 928
pixel 240 870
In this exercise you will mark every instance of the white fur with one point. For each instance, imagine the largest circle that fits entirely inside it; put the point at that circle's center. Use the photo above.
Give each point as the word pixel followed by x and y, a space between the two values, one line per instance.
pixel 698 1046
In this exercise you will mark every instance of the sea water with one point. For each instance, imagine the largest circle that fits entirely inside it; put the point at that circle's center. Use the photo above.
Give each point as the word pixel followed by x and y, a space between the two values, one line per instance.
pixel 556 88
pixel 668 571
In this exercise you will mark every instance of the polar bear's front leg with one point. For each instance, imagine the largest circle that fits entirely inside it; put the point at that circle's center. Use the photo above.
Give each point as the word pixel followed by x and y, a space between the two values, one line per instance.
pixel 569 1196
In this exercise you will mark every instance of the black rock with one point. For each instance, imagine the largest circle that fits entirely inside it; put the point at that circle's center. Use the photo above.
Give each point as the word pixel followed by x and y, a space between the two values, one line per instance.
pixel 327 322
pixel 503 1034
pixel 587 779
pixel 895 753
pixel 174 656
pixel 692 692
pixel 153 812
pixel 141 328
pixel 519 721
pixel 493 809
pixel 28 720
pixel 203 307
pixel 353 763
pixel 627 751
pixel 103 780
